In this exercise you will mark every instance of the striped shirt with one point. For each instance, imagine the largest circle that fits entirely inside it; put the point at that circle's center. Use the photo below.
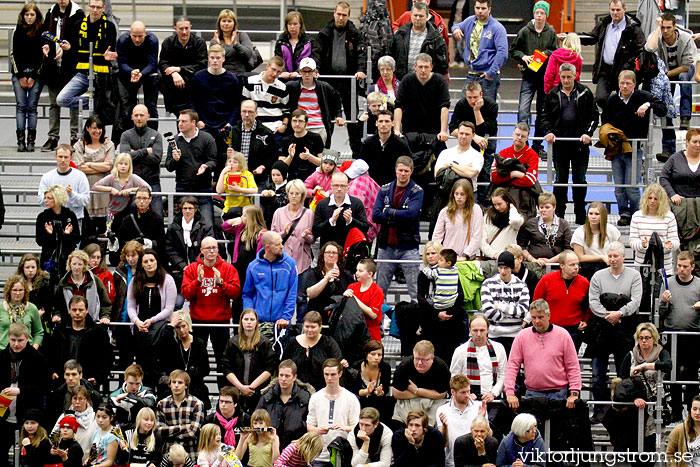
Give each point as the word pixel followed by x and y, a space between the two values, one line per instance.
pixel 290 457
pixel 505 305
pixel 446 283
pixel 642 227
pixel 272 99
pixel 308 102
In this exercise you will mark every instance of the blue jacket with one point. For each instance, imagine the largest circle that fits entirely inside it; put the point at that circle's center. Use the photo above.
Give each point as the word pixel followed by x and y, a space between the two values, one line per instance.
pixel 509 451
pixel 493 49
pixel 143 57
pixel 405 219
pixel 271 288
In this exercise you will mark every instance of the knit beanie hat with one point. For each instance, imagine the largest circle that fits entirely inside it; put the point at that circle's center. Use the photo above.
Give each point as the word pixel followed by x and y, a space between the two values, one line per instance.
pixel 282 167
pixel 541 4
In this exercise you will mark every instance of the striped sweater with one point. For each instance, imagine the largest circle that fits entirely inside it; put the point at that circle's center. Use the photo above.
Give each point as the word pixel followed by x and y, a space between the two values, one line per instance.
pixel 290 457
pixel 446 284
pixel 272 99
pixel 505 305
pixel 642 227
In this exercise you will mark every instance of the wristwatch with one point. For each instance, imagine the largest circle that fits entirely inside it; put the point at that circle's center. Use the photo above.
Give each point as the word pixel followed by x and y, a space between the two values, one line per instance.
pixel 575 393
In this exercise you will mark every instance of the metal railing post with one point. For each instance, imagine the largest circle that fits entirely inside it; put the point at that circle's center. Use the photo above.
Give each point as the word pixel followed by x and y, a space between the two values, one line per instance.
pixel 91 82
pixel 640 430
pixel 647 151
pixel 283 13
pixel 353 99
pixel 658 410
pixel 16 449
pixel 368 83
pixel 547 433
pixel 674 352
pixel 171 208
pixel 133 10
pixel 9 49
pixel 184 7
pixel 550 156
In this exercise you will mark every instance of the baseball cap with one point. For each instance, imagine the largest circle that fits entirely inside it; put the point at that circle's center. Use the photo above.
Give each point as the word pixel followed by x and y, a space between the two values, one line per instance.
pixel 307 62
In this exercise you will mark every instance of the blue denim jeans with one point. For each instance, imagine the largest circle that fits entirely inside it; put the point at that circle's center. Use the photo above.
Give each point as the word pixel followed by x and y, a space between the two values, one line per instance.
pixel 528 89
pixel 627 197
pixel 559 395
pixel 386 270
pixel 668 141
pixel 488 87
pixel 68 97
pixel 27 100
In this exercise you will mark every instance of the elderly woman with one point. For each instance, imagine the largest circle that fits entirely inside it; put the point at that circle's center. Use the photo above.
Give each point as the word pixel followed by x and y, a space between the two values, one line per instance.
pixel 310 349
pixel 645 360
pixel 680 176
pixel 543 237
pixel 94 155
pixel 387 84
pixel 293 222
pixel 293 44
pixel 654 216
pixel 523 442
pixel 57 231
pixel 249 361
pixel 445 328
pixel 182 351
pixel 590 241
pixel 328 278
pixel 240 51
pixel 17 308
pixel 478 447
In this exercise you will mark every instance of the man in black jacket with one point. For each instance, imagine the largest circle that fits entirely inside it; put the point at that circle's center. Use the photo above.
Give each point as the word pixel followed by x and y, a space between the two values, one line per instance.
pixel 82 340
pixel 255 141
pixel 59 65
pixel 145 146
pixel 287 402
pixel 415 37
pixel 570 112
pixel 319 97
pixel 181 56
pixel 482 111
pixel 23 375
pixel 340 212
pixel 60 398
pixel 381 150
pixel 141 223
pixel 351 60
pixel 619 40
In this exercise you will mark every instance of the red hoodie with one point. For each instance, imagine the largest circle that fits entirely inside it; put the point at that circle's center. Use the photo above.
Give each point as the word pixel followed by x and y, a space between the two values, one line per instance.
pixel 526 156
pixel 559 56
pixel 210 302
pixel 568 307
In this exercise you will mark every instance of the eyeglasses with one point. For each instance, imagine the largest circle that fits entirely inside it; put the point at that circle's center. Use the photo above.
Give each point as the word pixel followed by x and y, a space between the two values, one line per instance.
pixel 422 360
pixel 330 253
pixel 645 338
pixel 141 198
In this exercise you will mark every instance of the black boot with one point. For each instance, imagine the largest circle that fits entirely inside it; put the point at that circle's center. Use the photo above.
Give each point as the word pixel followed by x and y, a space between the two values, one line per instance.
pixel 31 140
pixel 21 147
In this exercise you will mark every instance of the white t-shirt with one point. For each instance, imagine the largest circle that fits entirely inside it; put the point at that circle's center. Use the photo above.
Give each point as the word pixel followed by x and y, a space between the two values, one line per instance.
pixel 578 238
pixel 470 156
pixel 694 449
pixel 458 424
pixel 345 410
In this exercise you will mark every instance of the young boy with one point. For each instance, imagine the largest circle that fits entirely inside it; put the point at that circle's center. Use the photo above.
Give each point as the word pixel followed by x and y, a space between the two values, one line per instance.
pixel 66 450
pixel 369 297
pixel 446 280
pixel 375 102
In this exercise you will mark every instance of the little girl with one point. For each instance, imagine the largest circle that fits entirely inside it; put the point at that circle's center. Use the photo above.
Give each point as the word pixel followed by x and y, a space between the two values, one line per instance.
pixel 105 444
pixel 236 179
pixel 66 450
pixel 35 443
pixel 274 194
pixel 144 446
pixel 211 452
pixel 120 184
pixel 570 52
pixel 320 180
pixel 263 446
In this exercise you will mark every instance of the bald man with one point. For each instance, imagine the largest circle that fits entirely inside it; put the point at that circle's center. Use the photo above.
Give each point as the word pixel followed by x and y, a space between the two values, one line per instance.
pixel 138 66
pixel 271 284
pixel 145 146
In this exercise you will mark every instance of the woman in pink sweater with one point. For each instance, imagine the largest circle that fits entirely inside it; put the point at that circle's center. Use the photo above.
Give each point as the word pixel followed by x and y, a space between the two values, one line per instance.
pixel 459 225
pixel 570 52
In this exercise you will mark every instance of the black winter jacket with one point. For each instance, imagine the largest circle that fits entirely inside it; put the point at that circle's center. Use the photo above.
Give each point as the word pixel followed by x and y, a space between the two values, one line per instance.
pixel 624 117
pixel 527 41
pixel 263 359
pixel 94 351
pixel 51 72
pixel 191 57
pixel 32 377
pixel 179 254
pixel 354 48
pixel 150 225
pixel 328 100
pixel 434 45
pixel 586 111
pixel 263 149
pixel 628 49
pixel 289 419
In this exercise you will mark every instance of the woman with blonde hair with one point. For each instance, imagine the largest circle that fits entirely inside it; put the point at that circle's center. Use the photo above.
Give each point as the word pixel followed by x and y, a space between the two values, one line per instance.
pixel 654 216
pixel 246 231
pixel 145 443
pixel 301 452
pixel 459 225
pixel 79 280
pixel 241 55
pixel 249 361
pixel 570 52
pixel 590 241
pixel 57 231
pixel 297 241
pixel 16 308
pixel 120 184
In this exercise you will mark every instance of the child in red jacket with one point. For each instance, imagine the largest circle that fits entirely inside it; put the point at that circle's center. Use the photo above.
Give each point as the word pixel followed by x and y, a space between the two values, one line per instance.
pixel 369 297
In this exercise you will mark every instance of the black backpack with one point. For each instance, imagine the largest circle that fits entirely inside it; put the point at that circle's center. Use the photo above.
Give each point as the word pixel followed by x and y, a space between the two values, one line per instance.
pixel 375 26
pixel 646 67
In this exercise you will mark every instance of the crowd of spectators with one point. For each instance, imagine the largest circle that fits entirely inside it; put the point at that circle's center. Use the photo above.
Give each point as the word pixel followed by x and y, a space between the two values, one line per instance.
pixel 490 343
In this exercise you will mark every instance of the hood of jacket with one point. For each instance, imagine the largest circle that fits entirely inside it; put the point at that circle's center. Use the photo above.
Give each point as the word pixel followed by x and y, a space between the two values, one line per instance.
pixel 565 56
pixel 217 265
pixel 280 258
